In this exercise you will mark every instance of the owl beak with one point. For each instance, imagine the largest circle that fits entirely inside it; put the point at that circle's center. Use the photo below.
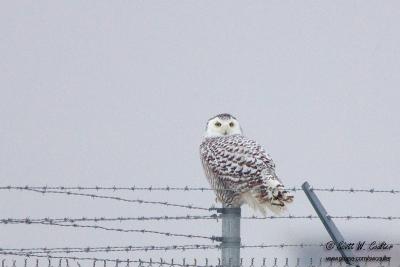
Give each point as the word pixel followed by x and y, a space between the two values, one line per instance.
pixel 226 132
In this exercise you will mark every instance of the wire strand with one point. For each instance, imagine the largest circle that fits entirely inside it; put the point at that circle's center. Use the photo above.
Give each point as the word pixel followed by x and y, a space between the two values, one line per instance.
pixel 187 188
pixel 143 231
pixel 67 250
pixel 107 219
pixel 108 249
pixel 347 217
pixel 161 263
pixel 215 217
pixel 139 201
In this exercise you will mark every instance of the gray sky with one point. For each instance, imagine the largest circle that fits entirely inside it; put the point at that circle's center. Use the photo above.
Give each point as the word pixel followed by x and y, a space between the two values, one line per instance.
pixel 101 93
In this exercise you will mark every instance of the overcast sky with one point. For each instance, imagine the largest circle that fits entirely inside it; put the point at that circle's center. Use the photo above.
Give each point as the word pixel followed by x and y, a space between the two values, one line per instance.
pixel 118 93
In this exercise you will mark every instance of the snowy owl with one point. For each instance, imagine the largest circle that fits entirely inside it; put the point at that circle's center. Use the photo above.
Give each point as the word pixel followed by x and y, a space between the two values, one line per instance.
pixel 238 169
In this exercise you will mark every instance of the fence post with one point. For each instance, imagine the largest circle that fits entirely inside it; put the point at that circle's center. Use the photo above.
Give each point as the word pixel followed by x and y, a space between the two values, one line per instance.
pixel 330 226
pixel 230 245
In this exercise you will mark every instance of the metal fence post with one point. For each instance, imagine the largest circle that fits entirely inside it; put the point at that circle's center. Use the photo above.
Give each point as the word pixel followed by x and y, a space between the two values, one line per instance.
pixel 230 244
pixel 330 226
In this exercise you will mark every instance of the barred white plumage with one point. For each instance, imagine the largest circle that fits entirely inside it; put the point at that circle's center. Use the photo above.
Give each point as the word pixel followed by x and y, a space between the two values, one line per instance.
pixel 238 169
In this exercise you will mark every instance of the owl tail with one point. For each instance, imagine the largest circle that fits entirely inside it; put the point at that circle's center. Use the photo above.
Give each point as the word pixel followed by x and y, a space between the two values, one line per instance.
pixel 274 197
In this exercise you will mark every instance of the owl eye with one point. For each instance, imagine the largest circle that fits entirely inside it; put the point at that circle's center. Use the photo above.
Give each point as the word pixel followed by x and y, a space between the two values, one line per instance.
pixel 218 124
pixel 231 124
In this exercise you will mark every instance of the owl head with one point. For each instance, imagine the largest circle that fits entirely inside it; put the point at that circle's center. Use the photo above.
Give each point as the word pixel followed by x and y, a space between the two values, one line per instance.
pixel 222 125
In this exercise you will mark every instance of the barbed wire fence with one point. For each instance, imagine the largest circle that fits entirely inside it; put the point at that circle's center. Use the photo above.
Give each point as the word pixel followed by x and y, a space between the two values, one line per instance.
pixel 63 255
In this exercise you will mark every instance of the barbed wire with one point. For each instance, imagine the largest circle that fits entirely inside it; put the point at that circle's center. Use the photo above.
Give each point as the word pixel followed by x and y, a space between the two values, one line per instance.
pixel 187 188
pixel 105 219
pixel 150 262
pixel 166 248
pixel 36 251
pixel 251 262
pixel 139 201
pixel 309 262
pixel 68 250
pixel 215 217
pixel 104 260
pixel 143 231
pixel 347 217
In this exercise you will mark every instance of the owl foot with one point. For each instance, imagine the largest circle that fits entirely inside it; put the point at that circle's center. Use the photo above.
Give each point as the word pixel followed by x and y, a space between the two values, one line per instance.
pixel 280 196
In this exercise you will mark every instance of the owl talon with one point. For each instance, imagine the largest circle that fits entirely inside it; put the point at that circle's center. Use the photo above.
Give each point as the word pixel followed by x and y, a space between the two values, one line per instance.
pixel 281 195
pixel 289 198
pixel 278 203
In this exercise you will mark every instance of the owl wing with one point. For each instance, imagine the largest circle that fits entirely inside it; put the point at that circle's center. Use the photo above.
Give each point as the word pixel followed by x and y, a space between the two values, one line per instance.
pixel 236 159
